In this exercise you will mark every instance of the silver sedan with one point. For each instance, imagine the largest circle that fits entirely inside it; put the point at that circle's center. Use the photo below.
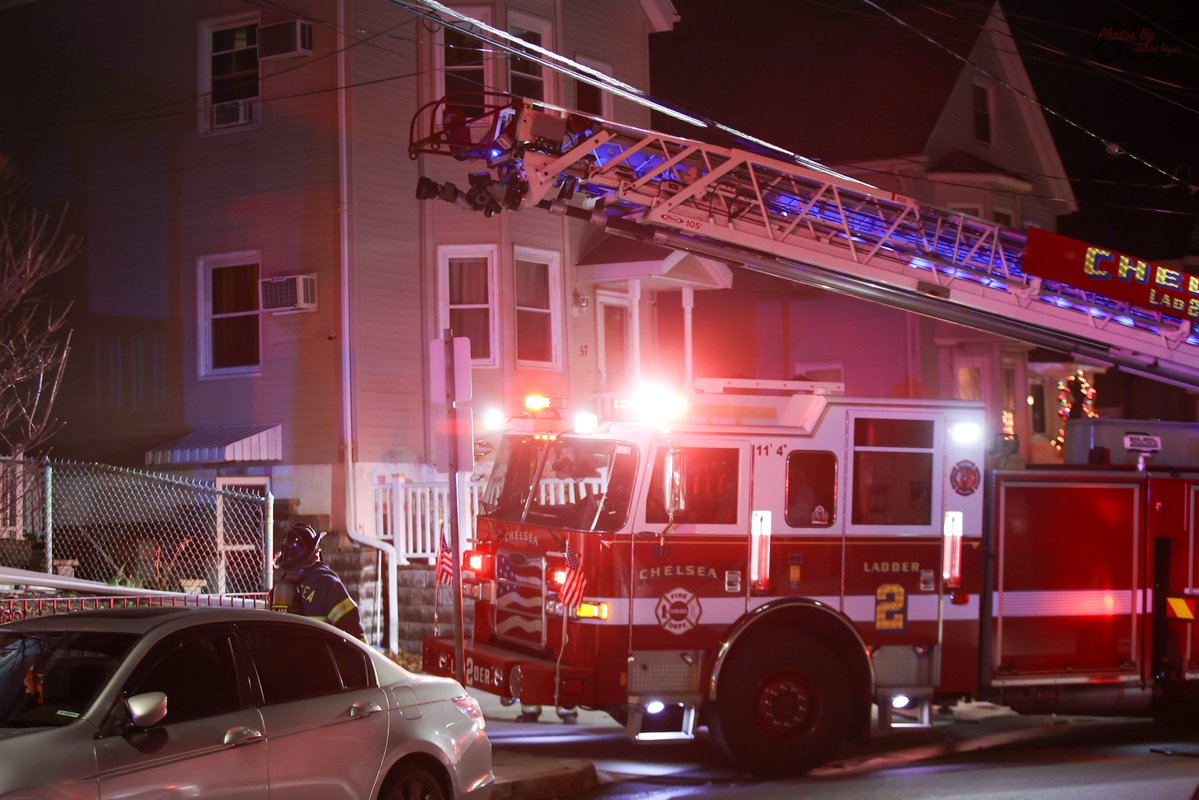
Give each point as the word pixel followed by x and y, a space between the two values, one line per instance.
pixel 230 703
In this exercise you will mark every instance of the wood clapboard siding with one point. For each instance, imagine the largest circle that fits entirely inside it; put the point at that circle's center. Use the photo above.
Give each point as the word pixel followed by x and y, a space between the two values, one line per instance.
pixel 273 189
pixel 389 279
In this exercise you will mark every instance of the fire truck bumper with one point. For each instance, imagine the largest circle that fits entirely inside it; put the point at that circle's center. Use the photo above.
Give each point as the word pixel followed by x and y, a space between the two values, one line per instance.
pixel 521 677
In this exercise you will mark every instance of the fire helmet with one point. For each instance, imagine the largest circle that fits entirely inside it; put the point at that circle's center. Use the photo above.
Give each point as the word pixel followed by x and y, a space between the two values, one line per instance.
pixel 300 546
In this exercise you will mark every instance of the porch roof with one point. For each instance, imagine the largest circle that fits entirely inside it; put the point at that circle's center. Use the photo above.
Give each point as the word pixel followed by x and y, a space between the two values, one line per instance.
pixel 222 443
pixel 616 258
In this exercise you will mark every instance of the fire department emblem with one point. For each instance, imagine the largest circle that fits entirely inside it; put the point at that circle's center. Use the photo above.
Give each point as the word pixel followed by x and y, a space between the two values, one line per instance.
pixel 965 478
pixel 678 611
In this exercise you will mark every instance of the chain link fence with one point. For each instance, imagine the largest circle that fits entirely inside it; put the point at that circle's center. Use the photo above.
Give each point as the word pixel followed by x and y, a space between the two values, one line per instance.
pixel 133 528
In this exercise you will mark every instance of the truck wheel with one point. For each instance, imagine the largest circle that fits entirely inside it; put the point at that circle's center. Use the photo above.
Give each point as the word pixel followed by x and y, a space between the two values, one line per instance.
pixel 783 706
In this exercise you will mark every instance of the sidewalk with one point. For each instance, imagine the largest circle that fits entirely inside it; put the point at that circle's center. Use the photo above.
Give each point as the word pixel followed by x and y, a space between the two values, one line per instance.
pixel 523 772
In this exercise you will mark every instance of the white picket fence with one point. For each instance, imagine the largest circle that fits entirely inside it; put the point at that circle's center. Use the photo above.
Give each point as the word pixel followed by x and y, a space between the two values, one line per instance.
pixel 413 516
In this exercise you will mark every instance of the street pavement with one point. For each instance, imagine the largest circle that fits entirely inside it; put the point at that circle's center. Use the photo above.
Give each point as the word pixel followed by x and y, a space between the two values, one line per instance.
pixel 538 761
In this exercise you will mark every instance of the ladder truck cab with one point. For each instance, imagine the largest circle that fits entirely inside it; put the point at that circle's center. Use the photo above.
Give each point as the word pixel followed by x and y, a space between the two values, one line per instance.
pixel 769 565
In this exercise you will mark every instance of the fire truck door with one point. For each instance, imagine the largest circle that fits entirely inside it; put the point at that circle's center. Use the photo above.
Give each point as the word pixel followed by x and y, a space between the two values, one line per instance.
pixel 796 537
pixel 690 577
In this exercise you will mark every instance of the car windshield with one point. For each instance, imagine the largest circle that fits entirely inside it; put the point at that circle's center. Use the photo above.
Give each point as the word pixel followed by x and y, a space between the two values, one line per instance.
pixel 570 482
pixel 51 678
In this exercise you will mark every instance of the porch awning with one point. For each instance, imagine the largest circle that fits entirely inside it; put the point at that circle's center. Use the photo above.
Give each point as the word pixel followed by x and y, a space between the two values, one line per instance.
pixel 222 444
pixel 616 258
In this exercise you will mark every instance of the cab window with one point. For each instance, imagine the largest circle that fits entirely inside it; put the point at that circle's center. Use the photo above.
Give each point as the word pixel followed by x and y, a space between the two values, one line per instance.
pixel 892 471
pixel 811 489
pixel 710 487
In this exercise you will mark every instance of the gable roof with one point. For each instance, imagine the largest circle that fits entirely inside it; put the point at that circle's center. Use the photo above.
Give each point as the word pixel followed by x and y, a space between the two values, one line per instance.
pixel 877 88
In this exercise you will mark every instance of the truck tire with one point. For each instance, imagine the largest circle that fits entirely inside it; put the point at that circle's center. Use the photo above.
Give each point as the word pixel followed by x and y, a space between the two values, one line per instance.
pixel 782 706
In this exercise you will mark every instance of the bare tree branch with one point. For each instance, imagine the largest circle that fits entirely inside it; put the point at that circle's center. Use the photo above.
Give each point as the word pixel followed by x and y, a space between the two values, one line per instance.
pixel 34 339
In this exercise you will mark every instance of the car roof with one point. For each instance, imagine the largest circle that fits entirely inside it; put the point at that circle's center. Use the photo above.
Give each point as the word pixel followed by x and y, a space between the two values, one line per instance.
pixel 140 620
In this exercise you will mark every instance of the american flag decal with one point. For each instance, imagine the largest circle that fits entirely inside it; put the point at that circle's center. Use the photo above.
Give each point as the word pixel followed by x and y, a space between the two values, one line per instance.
pixel 575 584
pixel 520 598
pixel 445 563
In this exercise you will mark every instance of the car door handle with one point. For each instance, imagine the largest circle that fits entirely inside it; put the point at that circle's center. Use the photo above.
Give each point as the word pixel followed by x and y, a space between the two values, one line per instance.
pixel 242 735
pixel 363 710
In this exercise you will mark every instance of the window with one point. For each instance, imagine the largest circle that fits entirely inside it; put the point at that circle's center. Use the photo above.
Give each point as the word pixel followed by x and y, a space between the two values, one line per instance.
pixel 466 68
pixel 467 287
pixel 710 487
pixel 538 298
pixel 1002 217
pixel 892 471
pixel 982 113
pixel 196 673
pixel 591 99
pixel 351 665
pixel 292 664
pixel 526 77
pixel 230 319
pixel 227 73
pixel 811 489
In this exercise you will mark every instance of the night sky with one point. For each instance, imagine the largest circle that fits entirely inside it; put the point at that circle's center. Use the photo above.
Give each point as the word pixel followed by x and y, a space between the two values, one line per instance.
pixel 1125 72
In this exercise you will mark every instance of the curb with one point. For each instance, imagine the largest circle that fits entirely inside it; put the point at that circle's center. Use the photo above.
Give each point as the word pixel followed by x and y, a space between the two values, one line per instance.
pixel 562 779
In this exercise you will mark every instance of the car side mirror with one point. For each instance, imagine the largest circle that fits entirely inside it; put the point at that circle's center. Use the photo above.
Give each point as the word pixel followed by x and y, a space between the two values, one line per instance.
pixel 146 710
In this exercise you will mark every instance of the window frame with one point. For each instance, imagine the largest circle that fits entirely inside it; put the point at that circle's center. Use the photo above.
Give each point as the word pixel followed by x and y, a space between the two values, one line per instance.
pixel 544 27
pixel 204 269
pixel 447 253
pixel 833 515
pixel 483 14
pixel 553 265
pixel 246 696
pixel 302 632
pixel 205 29
pixel 605 97
pixel 744 461
pixel 987 108
pixel 849 470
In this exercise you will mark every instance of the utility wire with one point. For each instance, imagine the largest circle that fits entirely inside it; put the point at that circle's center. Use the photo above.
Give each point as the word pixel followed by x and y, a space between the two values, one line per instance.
pixel 1077 126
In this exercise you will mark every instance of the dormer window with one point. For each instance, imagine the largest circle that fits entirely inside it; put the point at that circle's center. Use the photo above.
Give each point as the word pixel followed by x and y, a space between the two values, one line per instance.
pixel 982 114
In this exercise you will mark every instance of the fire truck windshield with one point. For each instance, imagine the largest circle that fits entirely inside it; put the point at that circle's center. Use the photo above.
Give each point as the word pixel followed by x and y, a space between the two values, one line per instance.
pixel 570 482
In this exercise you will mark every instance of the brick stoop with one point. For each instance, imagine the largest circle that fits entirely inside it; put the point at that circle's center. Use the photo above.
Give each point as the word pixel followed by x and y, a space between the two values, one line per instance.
pixel 418 597
pixel 364 575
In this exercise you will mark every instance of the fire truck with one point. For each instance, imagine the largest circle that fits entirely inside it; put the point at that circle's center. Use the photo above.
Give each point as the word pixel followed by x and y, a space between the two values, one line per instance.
pixel 782 558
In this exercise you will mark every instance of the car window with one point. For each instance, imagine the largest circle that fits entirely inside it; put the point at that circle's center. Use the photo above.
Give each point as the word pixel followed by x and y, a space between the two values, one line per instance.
pixel 197 673
pixel 291 664
pixel 53 677
pixel 351 664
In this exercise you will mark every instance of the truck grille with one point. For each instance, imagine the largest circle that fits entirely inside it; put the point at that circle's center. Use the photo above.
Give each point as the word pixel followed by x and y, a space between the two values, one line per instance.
pixel 520 598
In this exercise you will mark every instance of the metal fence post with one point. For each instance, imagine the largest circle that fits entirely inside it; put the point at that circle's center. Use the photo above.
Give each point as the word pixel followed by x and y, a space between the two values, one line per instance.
pixel 49 503
pixel 268 541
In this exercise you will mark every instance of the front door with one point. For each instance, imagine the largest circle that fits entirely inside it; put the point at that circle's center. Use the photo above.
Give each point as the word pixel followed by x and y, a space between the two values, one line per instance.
pixel 689 578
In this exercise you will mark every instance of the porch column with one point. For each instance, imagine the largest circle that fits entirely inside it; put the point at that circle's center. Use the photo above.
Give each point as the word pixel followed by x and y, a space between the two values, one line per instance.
pixel 688 305
pixel 635 329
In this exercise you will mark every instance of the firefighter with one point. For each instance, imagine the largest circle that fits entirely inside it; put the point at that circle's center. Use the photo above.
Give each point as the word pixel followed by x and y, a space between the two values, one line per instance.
pixel 307 586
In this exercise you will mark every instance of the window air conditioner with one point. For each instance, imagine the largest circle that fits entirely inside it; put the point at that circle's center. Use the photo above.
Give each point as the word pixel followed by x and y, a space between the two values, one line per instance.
pixel 288 293
pixel 284 40
pixel 232 114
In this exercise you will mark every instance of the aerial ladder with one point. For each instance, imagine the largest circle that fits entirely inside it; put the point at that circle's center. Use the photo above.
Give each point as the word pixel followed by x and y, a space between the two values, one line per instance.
pixel 796 220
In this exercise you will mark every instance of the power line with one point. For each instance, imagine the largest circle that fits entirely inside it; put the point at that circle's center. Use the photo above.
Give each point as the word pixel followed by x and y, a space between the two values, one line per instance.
pixel 1077 126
